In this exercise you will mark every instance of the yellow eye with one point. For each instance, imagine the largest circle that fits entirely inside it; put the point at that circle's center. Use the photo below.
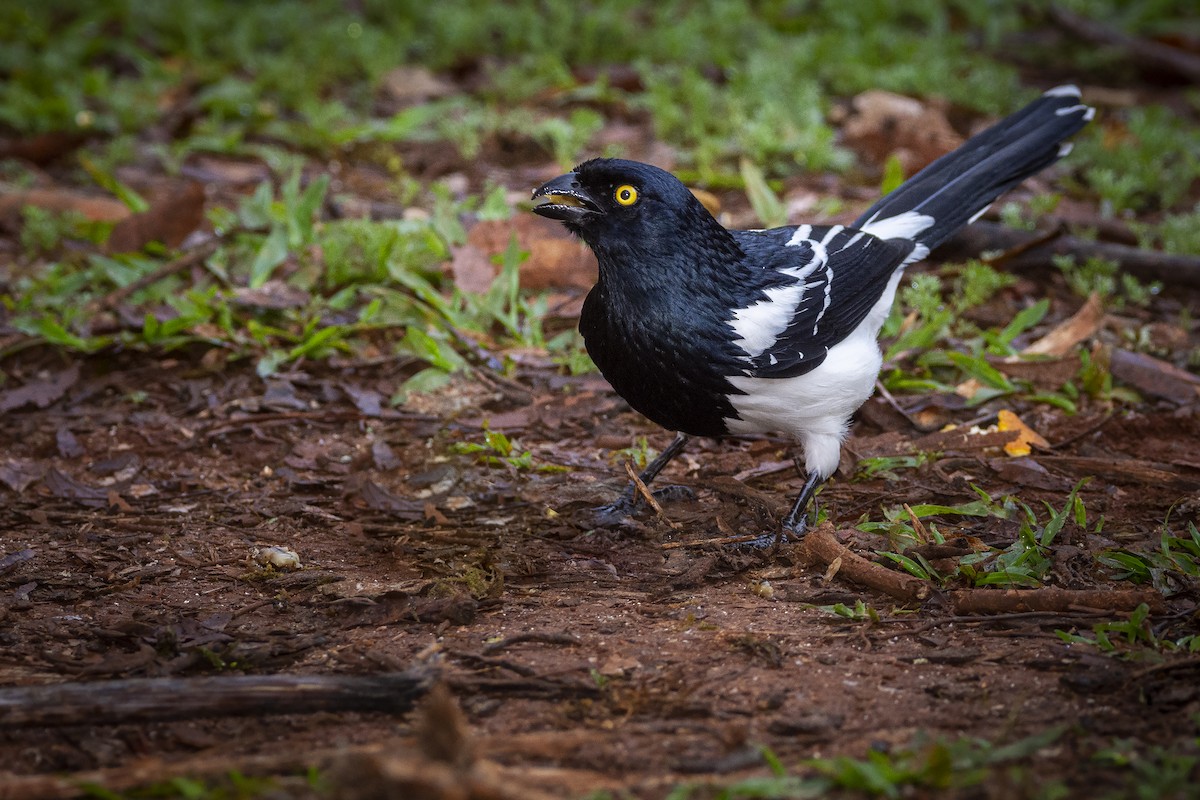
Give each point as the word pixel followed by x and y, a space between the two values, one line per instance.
pixel 626 195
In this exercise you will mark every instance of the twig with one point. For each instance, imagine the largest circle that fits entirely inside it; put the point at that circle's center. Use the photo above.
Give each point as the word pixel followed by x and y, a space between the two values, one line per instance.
pixel 648 496
pixel 741 538
pixel 545 637
pixel 1023 247
pixel 185 261
pixel 822 545
pixel 1052 599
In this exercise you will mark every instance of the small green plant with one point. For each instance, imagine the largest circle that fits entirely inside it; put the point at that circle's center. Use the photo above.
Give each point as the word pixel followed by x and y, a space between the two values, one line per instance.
pixel 1105 278
pixel 1169 569
pixel 497 450
pixel 1026 562
pixel 1153 771
pixel 887 466
pixel 928 764
pixel 1125 636
pixel 1175 233
pixel 859 612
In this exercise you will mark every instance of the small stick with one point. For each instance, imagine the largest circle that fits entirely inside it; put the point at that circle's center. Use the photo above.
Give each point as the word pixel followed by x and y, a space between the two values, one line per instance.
pixel 1052 599
pixel 648 496
pixel 821 545
pixel 185 261
pixel 718 540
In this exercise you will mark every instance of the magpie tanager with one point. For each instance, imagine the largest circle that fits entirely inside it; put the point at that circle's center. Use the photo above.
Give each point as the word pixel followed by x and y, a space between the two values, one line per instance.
pixel 714 332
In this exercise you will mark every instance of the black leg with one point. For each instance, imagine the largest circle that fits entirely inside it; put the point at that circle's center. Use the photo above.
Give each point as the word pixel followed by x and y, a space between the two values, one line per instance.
pixel 623 506
pixel 796 522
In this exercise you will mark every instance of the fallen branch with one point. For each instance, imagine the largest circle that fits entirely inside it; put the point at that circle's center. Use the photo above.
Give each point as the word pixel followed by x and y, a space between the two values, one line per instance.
pixel 160 699
pixel 1052 599
pixel 1143 52
pixel 1147 265
pixel 821 545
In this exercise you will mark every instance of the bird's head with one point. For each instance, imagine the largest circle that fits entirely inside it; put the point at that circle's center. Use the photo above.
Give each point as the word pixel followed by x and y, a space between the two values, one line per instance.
pixel 614 204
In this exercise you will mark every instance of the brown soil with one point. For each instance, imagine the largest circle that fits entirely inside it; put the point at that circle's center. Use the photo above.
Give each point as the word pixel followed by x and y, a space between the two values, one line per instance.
pixel 633 659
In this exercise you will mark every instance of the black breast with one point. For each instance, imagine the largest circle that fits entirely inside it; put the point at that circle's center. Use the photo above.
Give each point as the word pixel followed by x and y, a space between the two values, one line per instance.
pixel 666 355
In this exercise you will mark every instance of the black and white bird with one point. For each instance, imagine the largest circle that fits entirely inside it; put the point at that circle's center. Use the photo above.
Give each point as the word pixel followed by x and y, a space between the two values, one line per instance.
pixel 715 332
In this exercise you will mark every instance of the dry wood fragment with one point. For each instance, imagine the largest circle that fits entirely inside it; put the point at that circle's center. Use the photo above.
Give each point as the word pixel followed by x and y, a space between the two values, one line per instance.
pixel 1122 470
pixel 1147 265
pixel 822 546
pixel 1052 599
pixel 159 699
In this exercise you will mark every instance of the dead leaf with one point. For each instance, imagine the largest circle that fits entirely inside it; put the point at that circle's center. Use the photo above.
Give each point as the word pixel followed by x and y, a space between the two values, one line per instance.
pixel 217 170
pixel 1082 325
pixel 1027 437
pixel 556 259
pixel 472 269
pixel 380 499
pixel 96 208
pixel 17 473
pixel 63 485
pixel 274 295
pixel 383 456
pixel 40 393
pixel 367 401
pixel 169 220
pixel 881 124
pixel 1059 342
pixel 411 84
pixel 1026 472
pixel 68 445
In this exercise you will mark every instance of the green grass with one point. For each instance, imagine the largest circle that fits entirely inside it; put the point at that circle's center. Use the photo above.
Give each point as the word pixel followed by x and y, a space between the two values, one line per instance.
pixel 297 86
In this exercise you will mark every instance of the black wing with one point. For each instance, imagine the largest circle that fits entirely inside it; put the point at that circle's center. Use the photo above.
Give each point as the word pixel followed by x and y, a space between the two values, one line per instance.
pixel 842 271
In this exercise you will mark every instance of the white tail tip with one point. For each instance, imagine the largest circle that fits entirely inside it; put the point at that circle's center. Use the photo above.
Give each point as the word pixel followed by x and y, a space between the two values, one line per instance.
pixel 1068 90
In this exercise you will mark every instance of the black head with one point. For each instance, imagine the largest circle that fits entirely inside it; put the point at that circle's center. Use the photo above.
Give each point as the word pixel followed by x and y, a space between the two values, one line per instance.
pixel 611 202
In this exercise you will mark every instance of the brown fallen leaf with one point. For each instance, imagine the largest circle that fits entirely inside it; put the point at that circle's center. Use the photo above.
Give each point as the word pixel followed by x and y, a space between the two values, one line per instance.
pixel 1027 437
pixel 1059 343
pixel 178 212
pixel 17 473
pixel 40 393
pixel 556 259
pixel 63 485
pixel 1082 325
pixel 880 124
pixel 408 85
pixel 96 208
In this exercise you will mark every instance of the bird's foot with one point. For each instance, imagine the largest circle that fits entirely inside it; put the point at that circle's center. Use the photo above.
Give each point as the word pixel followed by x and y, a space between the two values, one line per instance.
pixel 769 543
pixel 612 515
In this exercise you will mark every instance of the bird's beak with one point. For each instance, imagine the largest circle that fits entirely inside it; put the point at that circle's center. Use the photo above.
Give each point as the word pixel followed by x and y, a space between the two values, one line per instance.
pixel 564 199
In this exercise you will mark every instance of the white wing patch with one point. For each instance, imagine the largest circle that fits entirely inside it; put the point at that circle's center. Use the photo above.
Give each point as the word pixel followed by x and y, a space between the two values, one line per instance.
pixel 908 225
pixel 901 226
pixel 760 324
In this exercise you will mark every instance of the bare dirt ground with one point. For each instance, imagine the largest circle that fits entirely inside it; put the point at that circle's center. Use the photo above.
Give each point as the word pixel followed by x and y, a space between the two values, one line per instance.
pixel 134 546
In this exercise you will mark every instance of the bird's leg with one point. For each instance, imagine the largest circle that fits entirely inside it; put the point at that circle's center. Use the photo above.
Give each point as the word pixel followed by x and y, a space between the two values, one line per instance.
pixel 624 505
pixel 795 524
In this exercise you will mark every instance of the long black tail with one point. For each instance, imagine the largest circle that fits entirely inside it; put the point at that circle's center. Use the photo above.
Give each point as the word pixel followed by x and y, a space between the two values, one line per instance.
pixel 960 185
